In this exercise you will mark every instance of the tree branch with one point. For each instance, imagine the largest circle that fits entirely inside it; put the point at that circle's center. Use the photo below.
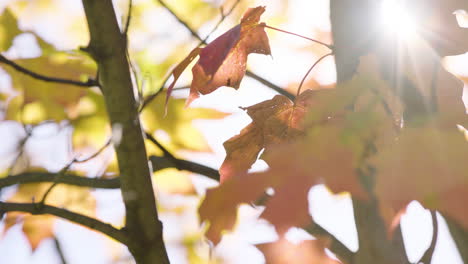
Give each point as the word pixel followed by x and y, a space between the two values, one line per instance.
pixel 34 177
pixel 170 161
pixel 427 257
pixel 108 47
pixel 92 223
pixel 59 249
pixel 160 163
pixel 338 248
pixel 270 85
pixel 91 82
pixel 460 236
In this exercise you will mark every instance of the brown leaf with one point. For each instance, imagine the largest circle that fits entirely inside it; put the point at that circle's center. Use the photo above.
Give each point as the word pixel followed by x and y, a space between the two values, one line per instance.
pixel 223 61
pixel 39 227
pixel 305 252
pixel 274 121
pixel 36 228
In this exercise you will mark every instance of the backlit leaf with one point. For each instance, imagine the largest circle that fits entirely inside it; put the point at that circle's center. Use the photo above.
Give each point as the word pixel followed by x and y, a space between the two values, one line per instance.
pixel 8 29
pixel 274 121
pixel 223 61
pixel 38 228
pixel 178 123
pixel 304 252
pixel 427 164
pixel 48 100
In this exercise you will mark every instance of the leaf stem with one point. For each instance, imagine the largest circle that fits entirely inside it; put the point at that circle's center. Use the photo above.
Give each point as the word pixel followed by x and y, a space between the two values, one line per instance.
pixel 310 69
pixel 298 35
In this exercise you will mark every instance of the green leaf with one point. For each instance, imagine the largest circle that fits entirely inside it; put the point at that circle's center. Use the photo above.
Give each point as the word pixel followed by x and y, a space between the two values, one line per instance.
pixel 178 123
pixel 8 29
pixel 42 100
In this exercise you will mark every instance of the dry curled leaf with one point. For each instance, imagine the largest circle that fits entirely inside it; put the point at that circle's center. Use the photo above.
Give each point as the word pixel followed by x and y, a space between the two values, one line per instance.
pixel 223 61
pixel 274 121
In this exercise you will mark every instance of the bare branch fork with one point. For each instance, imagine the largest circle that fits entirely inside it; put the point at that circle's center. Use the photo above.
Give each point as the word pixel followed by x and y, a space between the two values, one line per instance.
pixel 91 82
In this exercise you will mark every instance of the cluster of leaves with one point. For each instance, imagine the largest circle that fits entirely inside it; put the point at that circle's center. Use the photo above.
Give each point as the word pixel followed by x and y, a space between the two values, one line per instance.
pixel 380 134
pixel 32 103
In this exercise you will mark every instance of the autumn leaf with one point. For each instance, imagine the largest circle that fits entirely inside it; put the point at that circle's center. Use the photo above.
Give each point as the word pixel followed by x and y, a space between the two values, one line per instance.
pixel 38 228
pixel 304 252
pixel 8 29
pixel 223 61
pixel 41 100
pixel 178 123
pixel 220 205
pixel 294 169
pixel 274 121
pixel 91 126
pixel 427 164
pixel 179 69
pixel 332 147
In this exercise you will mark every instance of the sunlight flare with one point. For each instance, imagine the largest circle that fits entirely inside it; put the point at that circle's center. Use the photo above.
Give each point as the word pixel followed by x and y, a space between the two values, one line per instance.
pixel 396 19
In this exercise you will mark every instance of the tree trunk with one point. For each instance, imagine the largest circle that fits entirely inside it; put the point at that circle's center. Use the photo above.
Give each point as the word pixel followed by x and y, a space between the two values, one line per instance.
pixel 108 47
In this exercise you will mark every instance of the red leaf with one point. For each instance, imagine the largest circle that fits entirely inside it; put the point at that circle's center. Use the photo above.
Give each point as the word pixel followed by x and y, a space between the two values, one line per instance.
pixel 305 252
pixel 179 69
pixel 220 204
pixel 223 61
pixel 427 164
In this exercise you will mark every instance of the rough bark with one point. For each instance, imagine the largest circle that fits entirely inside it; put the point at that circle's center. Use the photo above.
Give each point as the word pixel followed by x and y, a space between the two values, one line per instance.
pixel 108 47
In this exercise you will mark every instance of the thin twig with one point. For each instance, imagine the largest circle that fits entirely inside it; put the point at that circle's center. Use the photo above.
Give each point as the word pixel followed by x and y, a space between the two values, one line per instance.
pixel 38 209
pixel 56 181
pixel 21 145
pixel 427 257
pixel 181 21
pixel 223 17
pixel 270 85
pixel 298 35
pixel 58 248
pixel 310 69
pixel 70 179
pixel 65 169
pixel 129 17
pixel 338 248
pixel 91 82
pixel 95 154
